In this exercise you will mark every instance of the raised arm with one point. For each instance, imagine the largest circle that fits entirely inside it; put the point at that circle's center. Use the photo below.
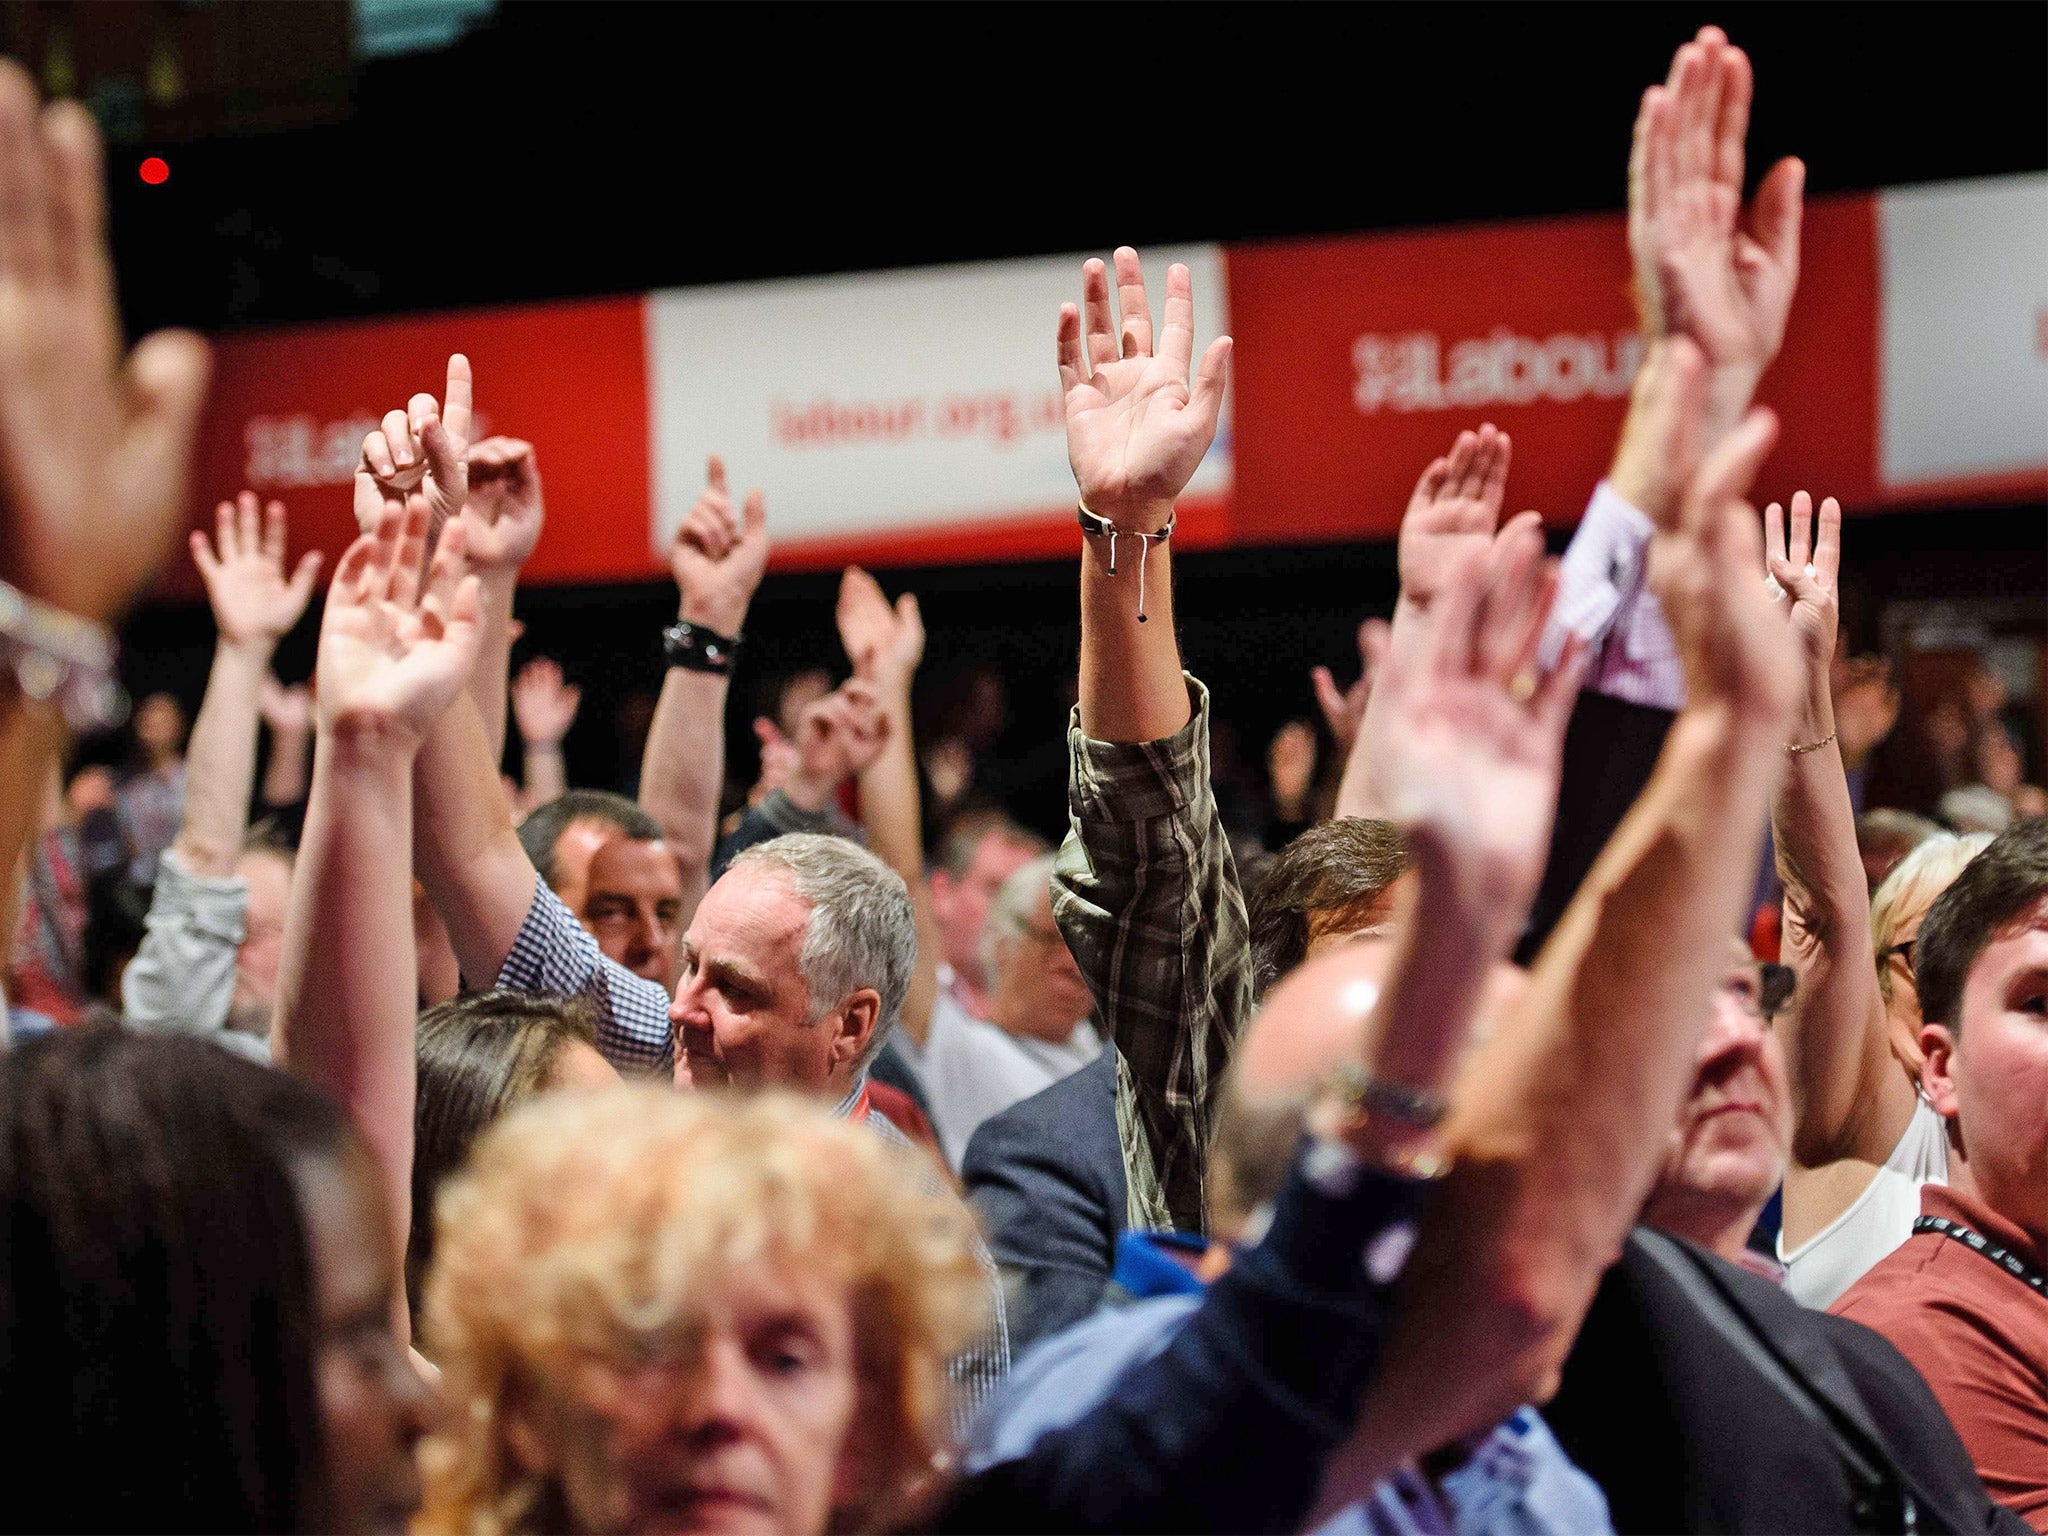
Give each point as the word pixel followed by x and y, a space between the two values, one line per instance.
pixel 1703 270
pixel 287 713
pixel 95 446
pixel 502 514
pixel 543 707
pixel 1145 890
pixel 1562 1115
pixel 1850 1098
pixel 717 559
pixel 885 645
pixel 397 643
pixel 1136 434
pixel 254 604
pixel 1453 512
pixel 183 974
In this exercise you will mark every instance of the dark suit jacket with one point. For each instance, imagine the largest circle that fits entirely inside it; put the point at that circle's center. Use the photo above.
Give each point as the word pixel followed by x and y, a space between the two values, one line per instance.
pixel 1047 1176
pixel 1685 1430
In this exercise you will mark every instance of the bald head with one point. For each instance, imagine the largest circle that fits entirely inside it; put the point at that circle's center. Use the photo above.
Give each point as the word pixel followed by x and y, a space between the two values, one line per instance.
pixel 1314 1019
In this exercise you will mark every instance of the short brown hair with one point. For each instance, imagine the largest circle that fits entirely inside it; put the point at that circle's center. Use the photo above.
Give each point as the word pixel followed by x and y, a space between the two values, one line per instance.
pixel 1341 866
pixel 2002 884
pixel 970 829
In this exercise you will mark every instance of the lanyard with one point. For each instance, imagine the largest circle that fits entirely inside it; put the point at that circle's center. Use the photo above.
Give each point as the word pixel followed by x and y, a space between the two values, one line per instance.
pixel 2004 1258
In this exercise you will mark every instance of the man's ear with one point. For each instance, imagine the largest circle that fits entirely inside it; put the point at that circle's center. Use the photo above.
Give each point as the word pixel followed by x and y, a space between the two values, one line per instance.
pixel 858 1016
pixel 1937 1070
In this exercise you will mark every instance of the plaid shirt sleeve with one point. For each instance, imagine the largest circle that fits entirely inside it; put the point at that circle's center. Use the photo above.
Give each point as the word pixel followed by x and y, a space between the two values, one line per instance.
pixel 555 953
pixel 1146 893
pixel 1603 597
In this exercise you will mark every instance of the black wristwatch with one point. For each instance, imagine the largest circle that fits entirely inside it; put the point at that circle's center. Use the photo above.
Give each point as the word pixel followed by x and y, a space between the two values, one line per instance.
pixel 696 648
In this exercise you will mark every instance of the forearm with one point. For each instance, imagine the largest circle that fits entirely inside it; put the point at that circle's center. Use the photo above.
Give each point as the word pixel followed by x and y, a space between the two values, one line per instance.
pixel 488 680
pixel 546 776
pixel 345 1000
pixel 892 814
pixel 286 777
pixel 31 736
pixel 466 851
pixel 1562 1115
pixel 1131 688
pixel 220 763
pixel 682 772
pixel 1834 1028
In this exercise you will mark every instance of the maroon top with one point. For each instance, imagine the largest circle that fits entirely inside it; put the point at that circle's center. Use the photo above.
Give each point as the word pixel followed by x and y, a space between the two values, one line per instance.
pixel 1980 1337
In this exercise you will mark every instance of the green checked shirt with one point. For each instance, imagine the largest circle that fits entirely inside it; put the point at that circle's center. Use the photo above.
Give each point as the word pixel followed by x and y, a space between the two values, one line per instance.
pixel 1145 891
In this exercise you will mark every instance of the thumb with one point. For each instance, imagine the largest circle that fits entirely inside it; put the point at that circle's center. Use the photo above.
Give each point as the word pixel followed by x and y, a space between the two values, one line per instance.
pixel 1774 217
pixel 1328 699
pixel 1210 378
pixel 1729 471
pixel 754 516
pixel 1793 578
pixel 714 474
pixel 167 375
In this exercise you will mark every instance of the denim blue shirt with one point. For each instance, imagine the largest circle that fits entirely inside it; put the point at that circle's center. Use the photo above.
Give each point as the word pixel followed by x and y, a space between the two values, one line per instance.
pixel 1517 1481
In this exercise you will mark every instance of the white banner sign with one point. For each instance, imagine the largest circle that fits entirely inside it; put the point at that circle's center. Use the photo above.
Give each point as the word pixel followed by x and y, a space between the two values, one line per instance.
pixel 882 403
pixel 1964 352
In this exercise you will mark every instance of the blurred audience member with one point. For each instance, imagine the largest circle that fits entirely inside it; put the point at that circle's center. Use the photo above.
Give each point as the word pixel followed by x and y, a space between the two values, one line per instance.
pixel 1883 837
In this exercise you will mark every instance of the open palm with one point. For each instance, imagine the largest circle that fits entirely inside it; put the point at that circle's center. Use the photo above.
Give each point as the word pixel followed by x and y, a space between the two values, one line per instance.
pixel 1805 571
pixel 253 601
pixel 1453 512
pixel 1472 744
pixel 1136 431
pixel 399 636
pixel 1699 272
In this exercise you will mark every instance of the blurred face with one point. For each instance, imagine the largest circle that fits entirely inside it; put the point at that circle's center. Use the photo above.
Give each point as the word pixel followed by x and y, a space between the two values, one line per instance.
pixel 269 879
pixel 633 906
pixel 574 850
pixel 798 695
pixel 1729 1147
pixel 1040 991
pixel 1900 994
pixel 742 1011
pixel 1366 919
pixel 1991 1078
pixel 743 1427
pixel 961 905
pixel 373 1404
pixel 159 725
pixel 92 789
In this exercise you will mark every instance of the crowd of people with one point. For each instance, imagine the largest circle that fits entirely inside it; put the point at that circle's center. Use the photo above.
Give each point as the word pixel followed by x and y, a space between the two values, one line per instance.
pixel 1580 1114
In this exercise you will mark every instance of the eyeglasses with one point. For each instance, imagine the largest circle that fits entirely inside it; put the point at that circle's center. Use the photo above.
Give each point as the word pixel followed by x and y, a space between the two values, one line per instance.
pixel 1904 952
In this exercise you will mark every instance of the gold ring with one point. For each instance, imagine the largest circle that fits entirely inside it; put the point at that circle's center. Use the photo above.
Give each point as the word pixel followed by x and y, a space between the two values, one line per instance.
pixel 1522 687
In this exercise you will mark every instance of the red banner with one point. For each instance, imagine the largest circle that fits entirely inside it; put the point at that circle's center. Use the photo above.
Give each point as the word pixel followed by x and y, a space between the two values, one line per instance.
pixel 288 410
pixel 1360 359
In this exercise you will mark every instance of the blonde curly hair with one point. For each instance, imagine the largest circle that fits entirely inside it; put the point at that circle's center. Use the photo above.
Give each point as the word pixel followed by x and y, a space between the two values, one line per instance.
pixel 588 1224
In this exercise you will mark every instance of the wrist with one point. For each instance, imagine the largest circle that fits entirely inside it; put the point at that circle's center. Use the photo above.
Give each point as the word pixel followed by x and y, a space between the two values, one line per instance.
pixel 250 654
pixel 369 738
pixel 541 746
pixel 724 615
pixel 1146 516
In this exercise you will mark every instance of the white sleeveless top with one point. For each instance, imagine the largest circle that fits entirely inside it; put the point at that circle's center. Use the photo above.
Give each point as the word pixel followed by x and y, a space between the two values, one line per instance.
pixel 1877 1221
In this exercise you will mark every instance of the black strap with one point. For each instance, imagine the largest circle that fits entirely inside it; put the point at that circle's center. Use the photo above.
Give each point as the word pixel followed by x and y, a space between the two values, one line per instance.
pixel 1882 1502
pixel 1977 1242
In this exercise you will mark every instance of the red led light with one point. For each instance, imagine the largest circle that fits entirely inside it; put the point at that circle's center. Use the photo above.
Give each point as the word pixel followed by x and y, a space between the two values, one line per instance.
pixel 154 171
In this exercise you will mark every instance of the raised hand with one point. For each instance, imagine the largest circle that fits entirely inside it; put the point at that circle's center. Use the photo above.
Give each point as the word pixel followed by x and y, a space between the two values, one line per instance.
pixel 400 634
pixel 717 558
pixel 503 513
pixel 254 604
pixel 1699 271
pixel 543 704
pixel 287 710
pixel 1135 431
pixel 778 759
pixel 1453 512
pixel 882 642
pixel 1803 576
pixel 1291 768
pixel 95 450
pixel 1469 762
pixel 1732 642
pixel 423 449
pixel 1344 709
pixel 836 737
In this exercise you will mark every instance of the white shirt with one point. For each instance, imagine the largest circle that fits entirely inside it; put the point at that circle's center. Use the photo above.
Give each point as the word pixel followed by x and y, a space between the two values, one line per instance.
pixel 1877 1221
pixel 970 1069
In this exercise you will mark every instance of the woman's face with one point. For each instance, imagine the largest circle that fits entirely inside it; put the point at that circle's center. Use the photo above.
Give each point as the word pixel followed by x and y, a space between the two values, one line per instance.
pixel 1901 995
pixel 373 1404
pixel 743 1429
